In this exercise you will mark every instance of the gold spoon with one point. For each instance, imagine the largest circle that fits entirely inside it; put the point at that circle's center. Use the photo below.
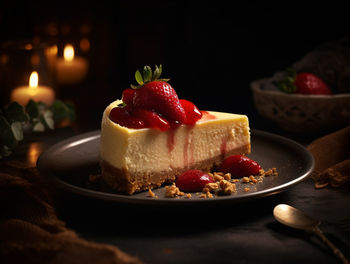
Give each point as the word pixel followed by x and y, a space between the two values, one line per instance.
pixel 295 218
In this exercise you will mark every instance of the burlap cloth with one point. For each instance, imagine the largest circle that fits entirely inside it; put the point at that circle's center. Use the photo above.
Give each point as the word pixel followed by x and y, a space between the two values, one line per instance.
pixel 30 231
pixel 332 159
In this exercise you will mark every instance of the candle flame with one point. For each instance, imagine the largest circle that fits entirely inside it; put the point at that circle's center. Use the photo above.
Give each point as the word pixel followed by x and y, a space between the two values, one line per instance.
pixel 68 52
pixel 34 80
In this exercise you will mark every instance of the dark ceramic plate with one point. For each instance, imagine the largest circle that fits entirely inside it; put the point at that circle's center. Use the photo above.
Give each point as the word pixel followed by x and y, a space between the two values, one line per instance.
pixel 70 162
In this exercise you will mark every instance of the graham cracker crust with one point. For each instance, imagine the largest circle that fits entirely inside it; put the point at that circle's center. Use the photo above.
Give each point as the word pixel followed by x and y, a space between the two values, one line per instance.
pixel 125 182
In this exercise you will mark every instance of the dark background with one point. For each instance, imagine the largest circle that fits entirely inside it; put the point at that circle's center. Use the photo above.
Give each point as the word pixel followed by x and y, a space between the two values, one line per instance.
pixel 211 50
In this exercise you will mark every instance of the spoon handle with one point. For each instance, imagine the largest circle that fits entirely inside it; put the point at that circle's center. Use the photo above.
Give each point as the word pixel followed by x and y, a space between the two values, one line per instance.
pixel 335 250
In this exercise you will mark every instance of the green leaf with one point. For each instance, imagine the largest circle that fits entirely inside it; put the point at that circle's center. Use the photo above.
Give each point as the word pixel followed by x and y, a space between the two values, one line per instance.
pixel 157 72
pixel 138 77
pixel 164 79
pixel 147 74
pixel 14 112
pixel 32 109
pixel 17 130
pixel 62 111
pixel 48 119
pixel 7 138
pixel 5 151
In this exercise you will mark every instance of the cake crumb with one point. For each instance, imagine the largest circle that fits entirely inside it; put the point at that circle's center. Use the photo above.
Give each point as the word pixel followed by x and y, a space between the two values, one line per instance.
pixel 209 187
pixel 206 195
pixel 173 191
pixel 271 172
pixel 227 176
pixel 252 179
pixel 223 184
pixel 152 194
pixel 227 187
pixel 218 176
pixel 245 179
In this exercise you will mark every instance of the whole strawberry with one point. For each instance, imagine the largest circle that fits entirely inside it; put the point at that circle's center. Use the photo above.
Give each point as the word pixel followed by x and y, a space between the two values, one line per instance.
pixel 308 83
pixel 303 83
pixel 157 95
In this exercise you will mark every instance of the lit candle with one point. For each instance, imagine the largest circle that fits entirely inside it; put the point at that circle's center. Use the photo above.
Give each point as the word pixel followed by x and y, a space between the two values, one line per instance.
pixel 70 69
pixel 23 94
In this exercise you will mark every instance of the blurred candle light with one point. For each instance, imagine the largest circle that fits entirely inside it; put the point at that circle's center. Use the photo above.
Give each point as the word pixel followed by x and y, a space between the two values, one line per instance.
pixel 84 44
pixel 51 55
pixel 34 151
pixel 23 94
pixel 70 69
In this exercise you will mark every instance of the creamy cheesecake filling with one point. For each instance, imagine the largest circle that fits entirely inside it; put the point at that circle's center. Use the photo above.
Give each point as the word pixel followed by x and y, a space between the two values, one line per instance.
pixel 149 150
pixel 137 159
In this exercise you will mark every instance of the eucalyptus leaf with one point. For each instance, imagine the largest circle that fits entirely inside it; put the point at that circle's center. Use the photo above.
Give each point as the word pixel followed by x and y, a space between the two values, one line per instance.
pixel 32 109
pixel 17 130
pixel 36 116
pixel 62 111
pixel 5 151
pixel 15 112
pixel 39 127
pixel 138 77
pixel 7 137
pixel 48 119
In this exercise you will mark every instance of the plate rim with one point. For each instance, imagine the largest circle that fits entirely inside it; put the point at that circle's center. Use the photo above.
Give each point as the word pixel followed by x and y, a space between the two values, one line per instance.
pixel 129 199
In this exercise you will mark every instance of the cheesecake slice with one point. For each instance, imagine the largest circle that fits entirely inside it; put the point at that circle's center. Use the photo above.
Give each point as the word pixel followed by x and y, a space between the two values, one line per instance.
pixel 133 160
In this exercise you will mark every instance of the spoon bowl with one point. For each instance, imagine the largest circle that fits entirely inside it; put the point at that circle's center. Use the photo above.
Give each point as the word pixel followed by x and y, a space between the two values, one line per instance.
pixel 292 217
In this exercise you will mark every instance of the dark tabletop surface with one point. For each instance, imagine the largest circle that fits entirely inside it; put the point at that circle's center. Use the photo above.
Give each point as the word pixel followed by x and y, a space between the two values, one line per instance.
pixel 230 233
pixel 191 41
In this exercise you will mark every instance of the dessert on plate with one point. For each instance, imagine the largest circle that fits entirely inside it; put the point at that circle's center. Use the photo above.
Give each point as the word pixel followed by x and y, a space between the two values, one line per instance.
pixel 150 136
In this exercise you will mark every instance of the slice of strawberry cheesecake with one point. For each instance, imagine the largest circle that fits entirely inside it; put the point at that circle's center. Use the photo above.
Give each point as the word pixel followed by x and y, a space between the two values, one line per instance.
pixel 151 136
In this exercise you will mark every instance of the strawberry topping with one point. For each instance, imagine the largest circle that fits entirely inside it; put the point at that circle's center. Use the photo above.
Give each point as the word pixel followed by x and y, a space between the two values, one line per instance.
pixel 191 111
pixel 151 119
pixel 153 103
pixel 123 117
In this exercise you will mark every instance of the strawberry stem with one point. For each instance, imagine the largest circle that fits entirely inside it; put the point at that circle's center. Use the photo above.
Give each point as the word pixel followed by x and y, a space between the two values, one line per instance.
pixel 147 76
pixel 287 85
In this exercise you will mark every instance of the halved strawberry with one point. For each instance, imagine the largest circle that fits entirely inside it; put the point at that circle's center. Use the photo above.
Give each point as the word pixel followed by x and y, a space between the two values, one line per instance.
pixel 240 166
pixel 192 112
pixel 122 116
pixel 193 181
pixel 151 119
